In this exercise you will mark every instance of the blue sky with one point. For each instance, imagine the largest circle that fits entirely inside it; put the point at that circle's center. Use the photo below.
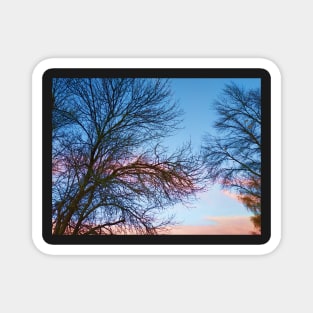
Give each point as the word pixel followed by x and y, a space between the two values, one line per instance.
pixel 196 97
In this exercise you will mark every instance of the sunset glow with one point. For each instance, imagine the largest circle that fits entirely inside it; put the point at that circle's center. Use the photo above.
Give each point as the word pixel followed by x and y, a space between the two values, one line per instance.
pixel 218 225
pixel 152 156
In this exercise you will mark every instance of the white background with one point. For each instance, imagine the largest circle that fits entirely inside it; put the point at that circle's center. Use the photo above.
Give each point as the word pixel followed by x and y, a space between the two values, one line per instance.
pixel 35 30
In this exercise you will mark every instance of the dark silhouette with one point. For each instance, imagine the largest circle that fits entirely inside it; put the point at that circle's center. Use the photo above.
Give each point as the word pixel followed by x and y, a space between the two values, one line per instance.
pixel 111 174
pixel 233 157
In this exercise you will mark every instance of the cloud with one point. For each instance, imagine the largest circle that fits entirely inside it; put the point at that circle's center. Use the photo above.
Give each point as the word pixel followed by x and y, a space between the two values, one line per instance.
pixel 218 225
pixel 231 195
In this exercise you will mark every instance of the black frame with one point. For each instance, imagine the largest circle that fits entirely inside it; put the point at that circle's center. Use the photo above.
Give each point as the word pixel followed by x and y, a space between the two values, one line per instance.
pixel 157 239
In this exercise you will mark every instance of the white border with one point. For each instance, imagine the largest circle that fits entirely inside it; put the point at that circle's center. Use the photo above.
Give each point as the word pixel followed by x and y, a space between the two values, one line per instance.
pixel 156 249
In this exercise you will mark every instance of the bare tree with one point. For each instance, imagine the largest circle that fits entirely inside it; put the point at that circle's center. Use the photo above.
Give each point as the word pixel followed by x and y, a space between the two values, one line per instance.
pixel 111 174
pixel 233 157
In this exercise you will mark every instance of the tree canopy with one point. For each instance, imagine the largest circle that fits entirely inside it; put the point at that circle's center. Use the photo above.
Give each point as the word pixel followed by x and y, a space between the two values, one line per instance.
pixel 233 156
pixel 111 174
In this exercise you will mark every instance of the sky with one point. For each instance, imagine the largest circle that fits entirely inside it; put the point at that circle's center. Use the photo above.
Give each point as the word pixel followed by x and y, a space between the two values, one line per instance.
pixel 215 211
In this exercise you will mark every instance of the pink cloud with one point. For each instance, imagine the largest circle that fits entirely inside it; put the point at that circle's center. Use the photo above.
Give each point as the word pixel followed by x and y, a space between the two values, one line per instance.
pixel 222 225
pixel 231 195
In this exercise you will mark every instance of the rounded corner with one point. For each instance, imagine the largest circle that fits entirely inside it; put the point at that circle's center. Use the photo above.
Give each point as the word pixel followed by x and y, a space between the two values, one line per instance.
pixel 42 67
pixel 271 245
pixel 270 67
pixel 41 245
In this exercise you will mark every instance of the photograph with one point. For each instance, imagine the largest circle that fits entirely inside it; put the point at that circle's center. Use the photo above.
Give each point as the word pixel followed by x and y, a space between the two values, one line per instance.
pixel 166 156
